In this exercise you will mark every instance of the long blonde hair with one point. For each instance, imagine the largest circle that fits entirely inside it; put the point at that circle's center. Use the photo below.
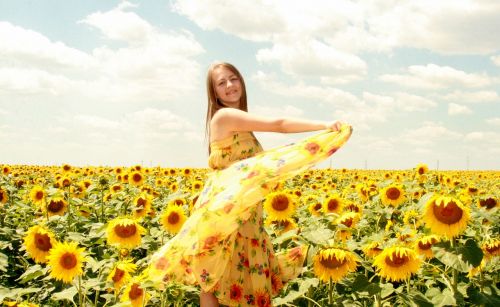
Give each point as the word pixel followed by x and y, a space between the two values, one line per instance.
pixel 214 104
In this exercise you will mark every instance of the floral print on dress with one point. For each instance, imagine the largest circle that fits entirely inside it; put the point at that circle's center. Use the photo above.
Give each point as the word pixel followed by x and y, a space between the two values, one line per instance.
pixel 223 246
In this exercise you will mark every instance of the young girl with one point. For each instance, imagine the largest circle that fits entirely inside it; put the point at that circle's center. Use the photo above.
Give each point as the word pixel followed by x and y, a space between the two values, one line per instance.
pixel 223 246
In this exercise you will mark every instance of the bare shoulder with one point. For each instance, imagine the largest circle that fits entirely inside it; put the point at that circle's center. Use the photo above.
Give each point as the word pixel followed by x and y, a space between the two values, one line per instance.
pixel 227 113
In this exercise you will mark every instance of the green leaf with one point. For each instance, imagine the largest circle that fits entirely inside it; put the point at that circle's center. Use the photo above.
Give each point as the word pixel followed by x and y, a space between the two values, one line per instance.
pixel 387 289
pixel 31 273
pixel 304 286
pixel 444 298
pixel 461 258
pixel 66 294
pixel 364 287
pixel 318 236
pixel 4 262
pixel 418 299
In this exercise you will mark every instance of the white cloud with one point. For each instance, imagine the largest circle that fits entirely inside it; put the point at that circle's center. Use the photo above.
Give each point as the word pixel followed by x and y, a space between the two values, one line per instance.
pixel 457 109
pixel 447 26
pixel 495 121
pixel 429 133
pixel 496 60
pixel 437 77
pixel 326 94
pixel 314 58
pixel 19 46
pixel 483 136
pixel 117 24
pixel 410 103
pixel 472 97
pixel 155 65
pixel 287 111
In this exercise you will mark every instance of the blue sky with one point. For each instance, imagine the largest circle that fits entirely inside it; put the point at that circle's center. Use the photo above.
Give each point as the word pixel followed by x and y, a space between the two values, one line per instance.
pixel 122 83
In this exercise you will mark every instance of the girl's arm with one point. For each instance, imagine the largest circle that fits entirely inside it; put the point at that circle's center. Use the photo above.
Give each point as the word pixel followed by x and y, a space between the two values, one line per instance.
pixel 230 119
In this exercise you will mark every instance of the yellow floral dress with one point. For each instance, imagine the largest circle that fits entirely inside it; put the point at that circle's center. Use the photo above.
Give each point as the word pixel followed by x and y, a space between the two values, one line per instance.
pixel 223 246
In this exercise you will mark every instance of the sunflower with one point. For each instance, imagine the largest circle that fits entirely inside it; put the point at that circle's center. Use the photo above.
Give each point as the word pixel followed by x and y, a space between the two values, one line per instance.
pixel 279 206
pixel 421 169
pixel 424 244
pixel 352 207
pixel 56 206
pixel 393 195
pixel 397 263
pixel 66 168
pixel 124 232
pixel 65 181
pixel 349 220
pixel 142 205
pixel 6 170
pixel 37 194
pixel 174 187
pixel 177 202
pixel 135 294
pixel 78 190
pixel 446 216
pixel 282 226
pixel 135 178
pixel 315 208
pixel 334 264
pixel 491 248
pixel 412 218
pixel 372 249
pixel 333 204
pixel 196 186
pixel 115 188
pixel 38 243
pixel 120 274
pixel 173 218
pixel 487 203
pixel 66 261
pixel 4 197
pixel 362 192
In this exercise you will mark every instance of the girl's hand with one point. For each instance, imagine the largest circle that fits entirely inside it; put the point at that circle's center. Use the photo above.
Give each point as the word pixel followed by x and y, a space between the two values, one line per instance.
pixel 335 126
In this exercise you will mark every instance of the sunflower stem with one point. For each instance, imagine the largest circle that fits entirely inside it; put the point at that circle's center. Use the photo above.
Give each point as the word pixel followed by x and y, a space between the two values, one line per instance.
pixel 330 292
pixel 310 301
pixel 102 206
pixel 454 271
pixel 70 215
pixel 80 296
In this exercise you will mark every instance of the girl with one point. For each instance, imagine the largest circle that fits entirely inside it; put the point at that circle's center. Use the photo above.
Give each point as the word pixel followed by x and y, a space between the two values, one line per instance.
pixel 223 246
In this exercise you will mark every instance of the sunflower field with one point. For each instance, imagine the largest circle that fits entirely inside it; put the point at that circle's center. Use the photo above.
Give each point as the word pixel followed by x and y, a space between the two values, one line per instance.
pixel 83 236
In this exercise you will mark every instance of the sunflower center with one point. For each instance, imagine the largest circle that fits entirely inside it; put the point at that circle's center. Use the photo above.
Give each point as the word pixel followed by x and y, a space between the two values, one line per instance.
pixel 68 261
pixel 332 262
pixel 42 242
pixel 396 261
pixel 421 170
pixel 135 292
pixel 317 207
pixel 492 249
pixel 424 246
pixel 118 275
pixel 178 202
pixel 280 203
pixel 393 193
pixel 488 203
pixel 55 206
pixel 1 196
pixel 448 214
pixel 141 202
pixel 116 188
pixel 137 177
pixel 348 222
pixel 333 204
pixel 39 195
pixel 125 231
pixel 173 218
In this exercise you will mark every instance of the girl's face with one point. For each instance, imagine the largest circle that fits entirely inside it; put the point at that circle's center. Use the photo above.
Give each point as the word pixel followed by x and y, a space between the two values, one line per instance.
pixel 227 86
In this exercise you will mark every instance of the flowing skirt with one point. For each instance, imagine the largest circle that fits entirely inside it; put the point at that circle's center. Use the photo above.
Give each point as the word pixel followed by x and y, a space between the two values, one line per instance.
pixel 223 246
